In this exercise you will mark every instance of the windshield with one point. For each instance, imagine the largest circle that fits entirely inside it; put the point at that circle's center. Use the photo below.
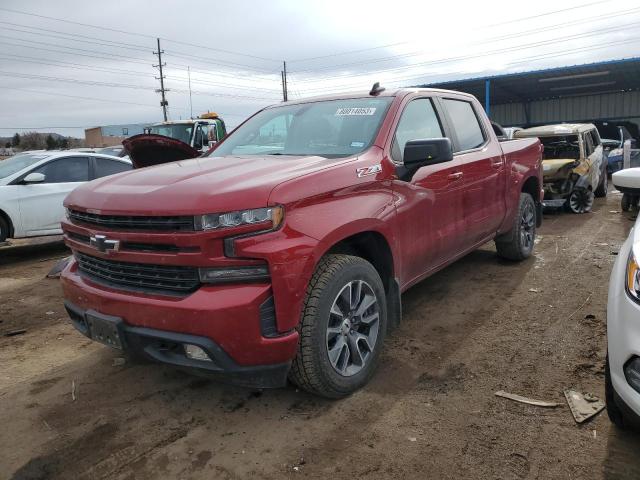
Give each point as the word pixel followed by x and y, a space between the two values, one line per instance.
pixel 15 164
pixel 333 128
pixel 180 131
pixel 561 147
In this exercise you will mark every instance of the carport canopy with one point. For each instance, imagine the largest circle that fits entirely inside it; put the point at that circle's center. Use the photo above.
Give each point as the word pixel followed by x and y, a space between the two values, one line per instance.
pixel 553 83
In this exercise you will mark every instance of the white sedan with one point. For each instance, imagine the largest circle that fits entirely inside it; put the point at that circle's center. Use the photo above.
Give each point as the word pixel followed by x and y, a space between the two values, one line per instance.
pixel 33 186
pixel 622 374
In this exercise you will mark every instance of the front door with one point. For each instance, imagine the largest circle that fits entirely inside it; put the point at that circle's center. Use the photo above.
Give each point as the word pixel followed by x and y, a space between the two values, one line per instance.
pixel 41 203
pixel 429 208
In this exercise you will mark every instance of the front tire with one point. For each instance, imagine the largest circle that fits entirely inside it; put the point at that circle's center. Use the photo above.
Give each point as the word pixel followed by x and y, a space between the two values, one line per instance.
pixel 518 243
pixel 343 326
pixel 580 200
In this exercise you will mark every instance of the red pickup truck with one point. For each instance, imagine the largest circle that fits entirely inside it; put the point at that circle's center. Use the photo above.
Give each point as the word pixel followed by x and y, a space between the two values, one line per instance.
pixel 284 252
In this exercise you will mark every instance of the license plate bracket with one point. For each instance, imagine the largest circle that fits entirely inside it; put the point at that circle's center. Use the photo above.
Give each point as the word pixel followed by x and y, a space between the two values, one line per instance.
pixel 105 329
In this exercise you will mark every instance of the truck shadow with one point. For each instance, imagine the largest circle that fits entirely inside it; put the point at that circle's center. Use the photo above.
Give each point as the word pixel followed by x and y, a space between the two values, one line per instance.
pixel 32 249
pixel 622 461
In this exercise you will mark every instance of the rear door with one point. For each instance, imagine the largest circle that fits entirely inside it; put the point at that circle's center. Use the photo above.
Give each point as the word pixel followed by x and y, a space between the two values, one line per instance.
pixel 102 167
pixel 41 203
pixel 430 214
pixel 483 167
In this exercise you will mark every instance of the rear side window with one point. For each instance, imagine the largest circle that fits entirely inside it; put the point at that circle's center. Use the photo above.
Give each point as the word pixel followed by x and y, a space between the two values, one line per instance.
pixel 65 170
pixel 465 123
pixel 106 167
pixel 588 144
pixel 418 122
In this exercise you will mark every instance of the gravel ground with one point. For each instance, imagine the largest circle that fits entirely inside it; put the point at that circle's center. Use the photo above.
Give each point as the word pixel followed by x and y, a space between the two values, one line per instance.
pixel 479 326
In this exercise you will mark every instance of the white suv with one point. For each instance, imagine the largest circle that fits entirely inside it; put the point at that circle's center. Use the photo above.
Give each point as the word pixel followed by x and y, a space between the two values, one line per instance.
pixel 33 186
pixel 622 376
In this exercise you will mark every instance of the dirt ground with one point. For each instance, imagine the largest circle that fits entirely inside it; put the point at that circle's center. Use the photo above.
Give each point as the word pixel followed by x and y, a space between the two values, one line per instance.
pixel 479 326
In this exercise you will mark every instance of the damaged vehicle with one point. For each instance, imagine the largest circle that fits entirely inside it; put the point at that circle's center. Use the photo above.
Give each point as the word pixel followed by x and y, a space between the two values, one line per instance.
pixel 175 140
pixel 573 165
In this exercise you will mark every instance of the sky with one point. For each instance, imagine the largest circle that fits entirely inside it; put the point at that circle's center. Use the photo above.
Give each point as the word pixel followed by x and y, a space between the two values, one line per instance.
pixel 69 65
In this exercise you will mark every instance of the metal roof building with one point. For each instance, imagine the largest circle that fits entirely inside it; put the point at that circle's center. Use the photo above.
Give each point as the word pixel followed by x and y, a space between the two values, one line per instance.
pixel 603 91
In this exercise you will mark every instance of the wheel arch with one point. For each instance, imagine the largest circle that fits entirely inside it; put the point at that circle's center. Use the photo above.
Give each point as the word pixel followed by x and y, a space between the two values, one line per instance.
pixel 6 218
pixel 532 186
pixel 375 248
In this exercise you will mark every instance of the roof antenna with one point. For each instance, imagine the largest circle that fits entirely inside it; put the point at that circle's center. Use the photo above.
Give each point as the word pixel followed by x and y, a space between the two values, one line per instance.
pixel 376 89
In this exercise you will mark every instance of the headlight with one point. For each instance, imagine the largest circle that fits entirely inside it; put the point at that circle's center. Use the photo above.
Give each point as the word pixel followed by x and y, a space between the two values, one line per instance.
pixel 273 215
pixel 633 278
pixel 252 273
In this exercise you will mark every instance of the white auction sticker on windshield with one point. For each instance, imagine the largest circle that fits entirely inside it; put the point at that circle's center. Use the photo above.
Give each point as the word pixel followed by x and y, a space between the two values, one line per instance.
pixel 348 111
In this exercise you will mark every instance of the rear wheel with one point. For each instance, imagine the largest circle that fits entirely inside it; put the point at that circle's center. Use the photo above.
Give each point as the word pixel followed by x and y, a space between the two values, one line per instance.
pixel 4 230
pixel 601 191
pixel 580 200
pixel 344 322
pixel 625 203
pixel 518 243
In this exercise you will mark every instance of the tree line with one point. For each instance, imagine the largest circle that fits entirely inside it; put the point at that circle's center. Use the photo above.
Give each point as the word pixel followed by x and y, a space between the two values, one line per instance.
pixel 42 141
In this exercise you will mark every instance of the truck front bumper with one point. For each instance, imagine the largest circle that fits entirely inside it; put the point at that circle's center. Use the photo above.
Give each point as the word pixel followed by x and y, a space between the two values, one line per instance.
pixel 224 322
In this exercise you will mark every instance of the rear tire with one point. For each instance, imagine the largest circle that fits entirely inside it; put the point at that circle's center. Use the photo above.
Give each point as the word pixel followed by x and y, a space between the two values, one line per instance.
pixel 601 191
pixel 343 326
pixel 518 243
pixel 615 414
pixel 4 230
pixel 625 203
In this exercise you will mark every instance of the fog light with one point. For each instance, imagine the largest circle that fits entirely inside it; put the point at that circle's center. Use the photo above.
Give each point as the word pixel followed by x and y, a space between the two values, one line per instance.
pixel 195 353
pixel 632 373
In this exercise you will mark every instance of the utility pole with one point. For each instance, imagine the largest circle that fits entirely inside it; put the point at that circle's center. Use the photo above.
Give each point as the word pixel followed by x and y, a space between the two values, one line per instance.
pixel 285 95
pixel 190 104
pixel 162 90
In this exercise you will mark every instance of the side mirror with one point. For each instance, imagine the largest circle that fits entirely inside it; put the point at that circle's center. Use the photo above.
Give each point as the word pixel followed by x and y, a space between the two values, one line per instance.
pixel 34 177
pixel 419 153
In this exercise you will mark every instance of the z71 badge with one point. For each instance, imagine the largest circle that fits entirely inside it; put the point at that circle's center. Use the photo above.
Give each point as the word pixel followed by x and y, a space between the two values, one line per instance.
pixel 372 170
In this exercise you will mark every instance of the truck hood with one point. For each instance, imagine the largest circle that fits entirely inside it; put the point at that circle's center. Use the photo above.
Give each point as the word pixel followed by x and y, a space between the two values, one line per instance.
pixel 551 167
pixel 149 149
pixel 195 186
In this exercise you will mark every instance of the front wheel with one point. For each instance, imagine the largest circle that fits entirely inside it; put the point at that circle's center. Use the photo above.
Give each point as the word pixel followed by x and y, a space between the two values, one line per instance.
pixel 517 244
pixel 580 200
pixel 343 326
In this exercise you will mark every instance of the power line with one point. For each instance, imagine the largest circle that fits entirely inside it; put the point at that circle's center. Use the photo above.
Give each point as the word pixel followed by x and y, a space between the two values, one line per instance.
pixel 95 99
pixel 60 37
pixel 424 77
pixel 230 52
pixel 347 52
pixel 482 54
pixel 489 40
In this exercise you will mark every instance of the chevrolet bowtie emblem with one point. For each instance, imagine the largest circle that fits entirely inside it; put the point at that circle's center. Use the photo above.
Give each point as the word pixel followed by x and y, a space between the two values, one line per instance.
pixel 104 245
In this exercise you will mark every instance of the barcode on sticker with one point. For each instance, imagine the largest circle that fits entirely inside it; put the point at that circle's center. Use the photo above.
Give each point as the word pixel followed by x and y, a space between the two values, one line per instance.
pixel 341 112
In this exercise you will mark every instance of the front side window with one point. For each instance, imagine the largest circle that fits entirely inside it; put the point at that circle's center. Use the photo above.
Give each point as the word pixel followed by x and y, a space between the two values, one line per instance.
pixel 65 170
pixel 418 122
pixel 465 124
pixel 330 129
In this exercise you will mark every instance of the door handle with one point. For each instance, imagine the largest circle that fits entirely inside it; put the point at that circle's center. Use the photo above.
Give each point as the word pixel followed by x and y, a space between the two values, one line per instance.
pixel 496 164
pixel 452 177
